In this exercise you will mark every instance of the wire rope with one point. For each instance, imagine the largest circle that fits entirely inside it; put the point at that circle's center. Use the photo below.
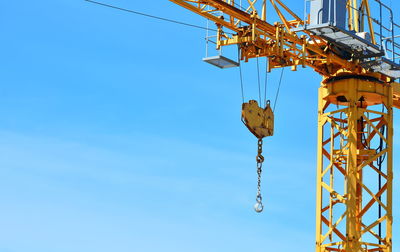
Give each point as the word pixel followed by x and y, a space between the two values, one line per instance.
pixel 241 81
pixel 259 82
pixel 151 16
pixel 265 82
pixel 277 91
pixel 241 75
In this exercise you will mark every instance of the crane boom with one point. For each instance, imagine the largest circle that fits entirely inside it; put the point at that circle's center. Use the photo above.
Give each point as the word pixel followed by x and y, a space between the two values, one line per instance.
pixel 284 43
pixel 278 42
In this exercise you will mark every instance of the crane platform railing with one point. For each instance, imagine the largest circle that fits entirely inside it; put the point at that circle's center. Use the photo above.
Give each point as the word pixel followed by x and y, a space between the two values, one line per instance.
pixel 388 42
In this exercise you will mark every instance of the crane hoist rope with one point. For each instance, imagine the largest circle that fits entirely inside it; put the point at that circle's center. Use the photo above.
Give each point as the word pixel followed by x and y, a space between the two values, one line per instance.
pixel 265 83
pixel 260 122
pixel 241 77
pixel 279 88
pixel 259 82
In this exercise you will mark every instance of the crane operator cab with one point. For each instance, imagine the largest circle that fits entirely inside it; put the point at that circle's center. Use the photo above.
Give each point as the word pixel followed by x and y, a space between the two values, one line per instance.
pixel 356 34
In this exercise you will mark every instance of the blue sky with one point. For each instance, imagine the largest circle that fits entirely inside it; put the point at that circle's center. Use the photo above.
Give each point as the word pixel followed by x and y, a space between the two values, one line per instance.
pixel 115 136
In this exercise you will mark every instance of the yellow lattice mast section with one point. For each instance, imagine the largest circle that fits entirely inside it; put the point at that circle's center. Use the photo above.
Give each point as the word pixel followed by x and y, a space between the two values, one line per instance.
pixel 341 41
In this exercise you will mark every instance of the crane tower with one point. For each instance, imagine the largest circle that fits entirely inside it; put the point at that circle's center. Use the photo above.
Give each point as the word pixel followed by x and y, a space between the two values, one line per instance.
pixel 354 50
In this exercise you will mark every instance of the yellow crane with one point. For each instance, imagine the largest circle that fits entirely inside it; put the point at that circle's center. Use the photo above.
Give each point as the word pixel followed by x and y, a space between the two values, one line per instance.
pixel 346 45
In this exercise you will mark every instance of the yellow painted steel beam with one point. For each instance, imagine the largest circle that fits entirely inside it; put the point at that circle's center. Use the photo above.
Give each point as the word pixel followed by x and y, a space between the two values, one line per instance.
pixel 358 200
pixel 316 56
pixel 396 94
pixel 345 201
pixel 370 21
pixel 282 46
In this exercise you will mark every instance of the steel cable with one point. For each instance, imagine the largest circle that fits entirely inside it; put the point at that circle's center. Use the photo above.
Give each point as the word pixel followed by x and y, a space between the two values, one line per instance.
pixel 277 91
pixel 265 83
pixel 152 16
pixel 259 82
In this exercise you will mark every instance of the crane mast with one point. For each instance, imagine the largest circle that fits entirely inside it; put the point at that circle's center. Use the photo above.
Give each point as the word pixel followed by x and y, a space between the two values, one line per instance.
pixel 342 42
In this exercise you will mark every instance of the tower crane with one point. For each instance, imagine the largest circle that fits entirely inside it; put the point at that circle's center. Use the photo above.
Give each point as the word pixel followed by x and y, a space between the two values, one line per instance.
pixel 347 46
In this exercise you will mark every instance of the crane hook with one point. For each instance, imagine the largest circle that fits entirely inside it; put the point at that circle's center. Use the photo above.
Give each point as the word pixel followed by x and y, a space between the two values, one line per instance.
pixel 260 122
pixel 259 207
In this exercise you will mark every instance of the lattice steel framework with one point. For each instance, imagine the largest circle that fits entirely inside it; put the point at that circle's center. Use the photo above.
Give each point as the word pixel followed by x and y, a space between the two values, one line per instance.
pixel 354 185
pixel 354 175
